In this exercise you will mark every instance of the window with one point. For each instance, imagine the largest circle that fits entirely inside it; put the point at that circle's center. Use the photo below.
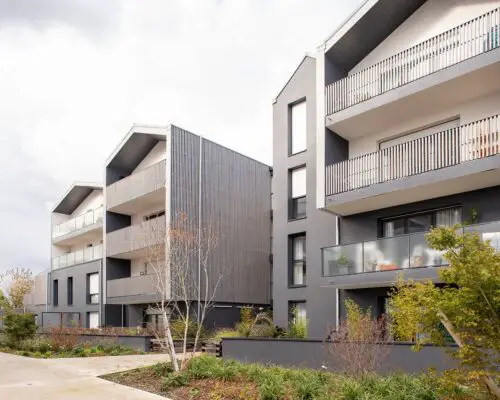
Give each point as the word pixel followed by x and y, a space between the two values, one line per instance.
pixel 154 215
pixel 298 260
pixel 298 129
pixel 93 319
pixel 298 193
pixel 422 222
pixel 70 291
pixel 297 310
pixel 93 288
pixel 55 293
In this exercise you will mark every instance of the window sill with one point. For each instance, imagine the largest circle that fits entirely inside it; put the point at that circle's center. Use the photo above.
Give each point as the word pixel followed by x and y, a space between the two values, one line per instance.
pixel 295 154
pixel 296 286
pixel 291 219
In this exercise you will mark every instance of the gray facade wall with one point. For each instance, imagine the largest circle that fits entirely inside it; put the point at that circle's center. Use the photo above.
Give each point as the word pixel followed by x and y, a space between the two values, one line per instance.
pixel 234 196
pixel 79 274
pixel 314 354
pixel 318 225
pixel 363 227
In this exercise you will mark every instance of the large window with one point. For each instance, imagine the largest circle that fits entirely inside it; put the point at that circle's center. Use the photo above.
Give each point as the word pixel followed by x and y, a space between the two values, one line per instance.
pixel 93 288
pixel 298 193
pixel 55 293
pixel 70 291
pixel 422 222
pixel 298 129
pixel 298 260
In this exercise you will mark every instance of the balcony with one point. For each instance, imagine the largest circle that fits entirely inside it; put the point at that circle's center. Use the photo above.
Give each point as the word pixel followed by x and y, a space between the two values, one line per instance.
pixel 138 191
pixel 78 257
pixel 409 253
pixel 68 232
pixel 453 161
pixel 459 64
pixel 136 240
pixel 131 290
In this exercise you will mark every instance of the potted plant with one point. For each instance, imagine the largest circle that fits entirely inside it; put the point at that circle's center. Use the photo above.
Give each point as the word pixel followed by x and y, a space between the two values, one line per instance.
pixel 343 264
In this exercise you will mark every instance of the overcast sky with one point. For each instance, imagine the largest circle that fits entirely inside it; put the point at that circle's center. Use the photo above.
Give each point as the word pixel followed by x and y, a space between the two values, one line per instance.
pixel 76 74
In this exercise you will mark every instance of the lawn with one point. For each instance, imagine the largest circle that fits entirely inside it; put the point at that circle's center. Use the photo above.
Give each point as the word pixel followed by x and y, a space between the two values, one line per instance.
pixel 210 378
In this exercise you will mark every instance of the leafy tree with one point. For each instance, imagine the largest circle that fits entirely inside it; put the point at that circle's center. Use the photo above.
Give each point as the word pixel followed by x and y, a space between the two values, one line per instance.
pixel 19 327
pixel 19 283
pixel 467 305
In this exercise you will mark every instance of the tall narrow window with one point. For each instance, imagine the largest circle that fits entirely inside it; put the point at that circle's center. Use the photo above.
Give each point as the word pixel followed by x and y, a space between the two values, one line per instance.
pixel 298 134
pixel 298 193
pixel 298 264
pixel 55 293
pixel 70 291
pixel 93 288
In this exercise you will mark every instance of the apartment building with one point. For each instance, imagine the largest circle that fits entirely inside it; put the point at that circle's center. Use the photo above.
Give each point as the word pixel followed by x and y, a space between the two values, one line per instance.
pixel 391 128
pixel 74 280
pixel 101 234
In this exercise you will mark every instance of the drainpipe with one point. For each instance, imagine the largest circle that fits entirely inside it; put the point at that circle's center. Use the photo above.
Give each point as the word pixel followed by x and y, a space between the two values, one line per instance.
pixel 199 228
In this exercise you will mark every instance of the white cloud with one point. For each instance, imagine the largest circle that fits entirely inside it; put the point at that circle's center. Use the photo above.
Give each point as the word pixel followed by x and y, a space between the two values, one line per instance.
pixel 73 80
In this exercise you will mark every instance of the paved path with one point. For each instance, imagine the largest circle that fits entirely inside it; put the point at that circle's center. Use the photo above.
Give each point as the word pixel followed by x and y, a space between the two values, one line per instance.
pixel 69 378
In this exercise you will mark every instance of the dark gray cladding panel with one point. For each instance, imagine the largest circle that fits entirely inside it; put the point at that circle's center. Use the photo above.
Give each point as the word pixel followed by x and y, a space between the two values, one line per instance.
pixel 74 198
pixel 236 198
pixel 117 268
pixel 371 30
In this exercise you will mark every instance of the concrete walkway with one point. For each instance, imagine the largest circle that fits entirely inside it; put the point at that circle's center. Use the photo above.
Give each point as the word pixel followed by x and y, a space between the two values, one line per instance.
pixel 70 378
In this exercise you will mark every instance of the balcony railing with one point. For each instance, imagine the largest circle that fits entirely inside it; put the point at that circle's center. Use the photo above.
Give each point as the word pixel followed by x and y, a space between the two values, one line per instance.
pixel 135 237
pixel 133 286
pixel 78 257
pixel 395 253
pixel 465 143
pixel 465 41
pixel 89 218
pixel 136 185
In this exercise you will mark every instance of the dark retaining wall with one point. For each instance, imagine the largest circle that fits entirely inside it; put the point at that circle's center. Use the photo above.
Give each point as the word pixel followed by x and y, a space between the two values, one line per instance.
pixel 141 343
pixel 314 354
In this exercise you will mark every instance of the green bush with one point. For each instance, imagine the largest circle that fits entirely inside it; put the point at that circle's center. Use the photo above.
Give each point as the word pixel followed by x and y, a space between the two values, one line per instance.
pixel 174 380
pixel 162 369
pixel 177 327
pixel 19 327
pixel 297 327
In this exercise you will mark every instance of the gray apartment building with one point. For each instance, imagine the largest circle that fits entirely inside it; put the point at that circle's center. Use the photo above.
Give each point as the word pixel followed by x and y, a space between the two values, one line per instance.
pixel 391 128
pixel 101 234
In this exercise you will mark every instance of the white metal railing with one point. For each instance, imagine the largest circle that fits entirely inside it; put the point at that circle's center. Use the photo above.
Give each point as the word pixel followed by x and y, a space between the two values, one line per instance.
pixel 465 41
pixel 89 218
pixel 77 257
pixel 467 142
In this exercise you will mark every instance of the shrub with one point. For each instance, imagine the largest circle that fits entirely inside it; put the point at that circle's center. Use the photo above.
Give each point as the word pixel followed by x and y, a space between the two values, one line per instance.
pixel 263 326
pixel 175 380
pixel 162 369
pixel 177 327
pixel 63 339
pixel 297 327
pixel 19 327
pixel 224 333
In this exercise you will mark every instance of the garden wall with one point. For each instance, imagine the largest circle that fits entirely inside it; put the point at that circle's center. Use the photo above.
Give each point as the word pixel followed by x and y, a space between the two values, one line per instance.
pixel 314 354
pixel 141 343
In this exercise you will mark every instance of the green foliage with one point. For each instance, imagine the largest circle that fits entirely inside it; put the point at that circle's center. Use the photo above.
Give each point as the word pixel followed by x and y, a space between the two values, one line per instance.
pixel 277 383
pixel 468 306
pixel 162 369
pixel 178 326
pixel 297 327
pixel 225 332
pixel 263 326
pixel 19 327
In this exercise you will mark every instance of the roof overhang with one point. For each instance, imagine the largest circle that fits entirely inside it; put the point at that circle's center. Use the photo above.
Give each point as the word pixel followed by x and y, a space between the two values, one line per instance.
pixel 371 23
pixel 74 196
pixel 136 144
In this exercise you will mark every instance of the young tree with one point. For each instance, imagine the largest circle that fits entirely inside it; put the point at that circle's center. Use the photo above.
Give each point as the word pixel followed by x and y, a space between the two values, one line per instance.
pixel 18 283
pixel 185 281
pixel 360 341
pixel 467 306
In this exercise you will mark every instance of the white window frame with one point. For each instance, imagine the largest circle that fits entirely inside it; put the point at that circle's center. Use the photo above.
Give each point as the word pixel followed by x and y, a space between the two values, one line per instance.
pixel 298 128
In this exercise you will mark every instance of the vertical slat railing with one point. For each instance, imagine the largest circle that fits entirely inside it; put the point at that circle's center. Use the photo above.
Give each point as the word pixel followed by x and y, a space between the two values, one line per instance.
pixel 460 43
pixel 467 142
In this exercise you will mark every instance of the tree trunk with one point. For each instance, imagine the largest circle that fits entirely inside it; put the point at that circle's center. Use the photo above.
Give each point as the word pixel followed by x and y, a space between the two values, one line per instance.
pixel 490 383
pixel 170 342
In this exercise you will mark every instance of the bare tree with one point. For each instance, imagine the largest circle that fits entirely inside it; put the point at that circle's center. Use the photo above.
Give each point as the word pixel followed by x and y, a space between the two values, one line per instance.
pixel 360 342
pixel 18 283
pixel 179 256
